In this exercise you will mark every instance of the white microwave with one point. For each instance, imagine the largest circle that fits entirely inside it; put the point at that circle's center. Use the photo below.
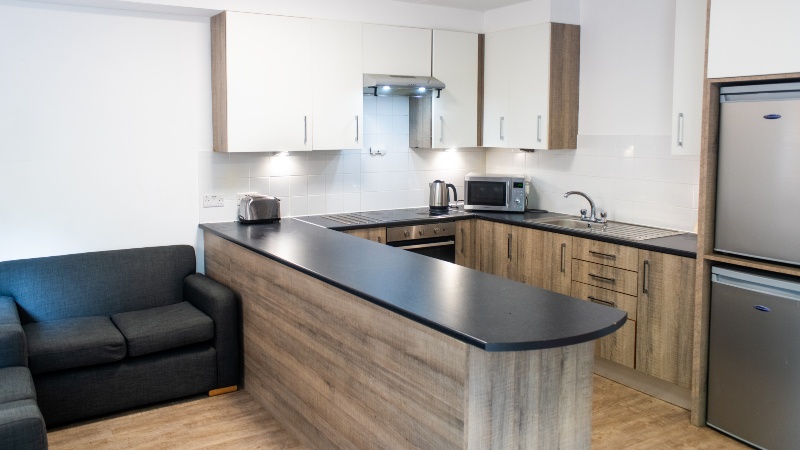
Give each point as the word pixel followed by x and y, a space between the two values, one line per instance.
pixel 492 192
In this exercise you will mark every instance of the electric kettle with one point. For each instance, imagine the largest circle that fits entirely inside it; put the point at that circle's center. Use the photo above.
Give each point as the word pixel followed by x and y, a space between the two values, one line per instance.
pixel 440 195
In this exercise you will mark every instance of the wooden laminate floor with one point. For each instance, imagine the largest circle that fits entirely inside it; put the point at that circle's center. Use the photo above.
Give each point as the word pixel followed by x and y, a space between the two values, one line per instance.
pixel 622 418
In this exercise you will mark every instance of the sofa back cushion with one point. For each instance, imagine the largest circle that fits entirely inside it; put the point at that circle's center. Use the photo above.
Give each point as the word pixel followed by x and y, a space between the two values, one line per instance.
pixel 98 283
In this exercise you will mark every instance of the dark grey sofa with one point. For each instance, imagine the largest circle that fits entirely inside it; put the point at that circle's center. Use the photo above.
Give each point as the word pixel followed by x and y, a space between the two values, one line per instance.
pixel 108 331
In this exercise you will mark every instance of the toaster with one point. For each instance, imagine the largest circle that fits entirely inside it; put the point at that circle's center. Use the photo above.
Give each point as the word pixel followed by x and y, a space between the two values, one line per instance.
pixel 259 209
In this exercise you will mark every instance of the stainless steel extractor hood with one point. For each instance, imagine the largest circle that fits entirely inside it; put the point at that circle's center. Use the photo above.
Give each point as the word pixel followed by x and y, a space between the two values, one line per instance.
pixel 409 86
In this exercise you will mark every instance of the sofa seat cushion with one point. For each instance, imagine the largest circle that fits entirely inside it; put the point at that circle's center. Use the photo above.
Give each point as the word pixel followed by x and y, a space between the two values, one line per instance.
pixel 156 329
pixel 22 426
pixel 75 342
pixel 16 383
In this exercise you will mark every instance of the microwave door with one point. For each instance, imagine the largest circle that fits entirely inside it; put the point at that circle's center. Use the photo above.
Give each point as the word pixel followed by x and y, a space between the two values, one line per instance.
pixel 487 193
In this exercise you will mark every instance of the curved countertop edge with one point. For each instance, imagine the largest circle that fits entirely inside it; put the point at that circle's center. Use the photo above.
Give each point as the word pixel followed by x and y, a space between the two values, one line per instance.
pixel 683 244
pixel 461 336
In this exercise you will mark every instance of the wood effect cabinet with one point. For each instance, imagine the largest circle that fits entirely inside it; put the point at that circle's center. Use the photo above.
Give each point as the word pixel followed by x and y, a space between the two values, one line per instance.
pixel 376 234
pixel 531 87
pixel 545 259
pixel 619 346
pixel 665 317
pixel 394 50
pixel 688 76
pixel 497 251
pixel 465 243
pixel 261 78
pixel 285 83
pixel 455 111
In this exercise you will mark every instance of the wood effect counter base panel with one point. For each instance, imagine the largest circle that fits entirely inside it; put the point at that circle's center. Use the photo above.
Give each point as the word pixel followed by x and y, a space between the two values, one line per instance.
pixel 341 372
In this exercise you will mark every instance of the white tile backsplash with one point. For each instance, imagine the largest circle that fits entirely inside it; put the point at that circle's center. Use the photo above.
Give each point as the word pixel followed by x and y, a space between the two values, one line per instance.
pixel 633 178
pixel 321 182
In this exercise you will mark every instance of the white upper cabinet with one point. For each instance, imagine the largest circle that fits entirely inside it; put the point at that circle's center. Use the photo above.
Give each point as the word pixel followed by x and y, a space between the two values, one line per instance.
pixel 531 87
pixel 397 50
pixel 749 38
pixel 455 112
pixel 337 86
pixel 262 74
pixel 688 76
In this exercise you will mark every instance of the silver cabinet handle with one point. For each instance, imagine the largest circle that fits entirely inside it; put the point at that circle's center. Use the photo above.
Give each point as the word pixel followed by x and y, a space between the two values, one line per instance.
pixel 539 129
pixel 606 279
pixel 604 255
pixel 509 245
pixel 379 240
pixel 356 127
pixel 462 240
pixel 602 302
pixel 305 130
pixel 441 128
pixel 502 119
pixel 645 276
pixel 680 129
pixel 563 253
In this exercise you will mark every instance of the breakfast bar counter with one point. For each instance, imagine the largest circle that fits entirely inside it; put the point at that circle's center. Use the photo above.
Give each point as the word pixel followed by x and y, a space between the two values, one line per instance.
pixel 353 344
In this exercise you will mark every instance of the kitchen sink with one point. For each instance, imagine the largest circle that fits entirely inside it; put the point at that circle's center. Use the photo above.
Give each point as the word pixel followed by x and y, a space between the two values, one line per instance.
pixel 614 229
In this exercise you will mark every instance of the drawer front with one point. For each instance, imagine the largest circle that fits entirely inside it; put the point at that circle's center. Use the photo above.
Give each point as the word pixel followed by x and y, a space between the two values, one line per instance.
pixel 604 253
pixel 606 277
pixel 608 297
pixel 619 346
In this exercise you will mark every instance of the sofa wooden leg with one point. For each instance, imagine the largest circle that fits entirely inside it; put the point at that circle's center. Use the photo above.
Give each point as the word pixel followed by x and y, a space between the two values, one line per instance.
pixel 223 390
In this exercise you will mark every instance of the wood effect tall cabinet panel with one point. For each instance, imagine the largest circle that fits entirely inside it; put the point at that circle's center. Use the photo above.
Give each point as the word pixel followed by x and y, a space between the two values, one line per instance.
pixel 259 65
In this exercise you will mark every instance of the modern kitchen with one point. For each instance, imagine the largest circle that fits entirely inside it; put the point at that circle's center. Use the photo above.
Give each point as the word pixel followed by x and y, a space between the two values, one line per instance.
pixel 447 224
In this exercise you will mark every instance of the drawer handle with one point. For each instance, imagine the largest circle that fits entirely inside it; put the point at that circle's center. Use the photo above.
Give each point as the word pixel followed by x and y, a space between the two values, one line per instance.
pixel 602 302
pixel 563 253
pixel 606 279
pixel 604 255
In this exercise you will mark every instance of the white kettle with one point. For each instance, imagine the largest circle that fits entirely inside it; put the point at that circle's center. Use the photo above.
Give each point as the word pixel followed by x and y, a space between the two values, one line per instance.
pixel 440 195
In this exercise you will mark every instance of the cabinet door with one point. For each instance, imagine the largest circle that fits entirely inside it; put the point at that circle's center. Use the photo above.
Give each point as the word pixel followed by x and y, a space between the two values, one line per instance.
pixel 266 65
pixel 529 86
pixel 377 234
pixel 455 112
pixel 497 66
pixel 397 50
pixel 465 243
pixel 497 249
pixel 665 317
pixel 338 80
pixel 688 76
pixel 619 346
pixel 544 259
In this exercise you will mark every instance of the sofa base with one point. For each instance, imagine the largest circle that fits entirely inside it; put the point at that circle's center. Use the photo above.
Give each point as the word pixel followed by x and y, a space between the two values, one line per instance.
pixel 222 390
pixel 77 394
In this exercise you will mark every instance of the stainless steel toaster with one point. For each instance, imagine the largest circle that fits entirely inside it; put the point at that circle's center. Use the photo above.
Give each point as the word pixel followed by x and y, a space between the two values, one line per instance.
pixel 259 209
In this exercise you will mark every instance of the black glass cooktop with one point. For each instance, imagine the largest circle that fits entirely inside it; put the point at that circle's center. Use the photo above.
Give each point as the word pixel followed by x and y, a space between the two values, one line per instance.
pixel 381 217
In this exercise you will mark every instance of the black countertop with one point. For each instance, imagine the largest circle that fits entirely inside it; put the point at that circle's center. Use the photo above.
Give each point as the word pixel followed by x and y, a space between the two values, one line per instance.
pixel 684 244
pixel 483 310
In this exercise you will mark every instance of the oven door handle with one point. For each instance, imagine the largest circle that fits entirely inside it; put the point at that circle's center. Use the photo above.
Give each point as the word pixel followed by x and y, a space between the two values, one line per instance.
pixel 433 244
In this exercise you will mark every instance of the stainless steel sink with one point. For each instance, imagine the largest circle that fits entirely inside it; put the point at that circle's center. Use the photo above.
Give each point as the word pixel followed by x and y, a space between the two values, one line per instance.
pixel 615 229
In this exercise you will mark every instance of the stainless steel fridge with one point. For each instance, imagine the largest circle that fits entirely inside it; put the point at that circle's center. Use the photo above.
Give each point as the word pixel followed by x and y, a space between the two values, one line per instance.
pixel 754 358
pixel 758 172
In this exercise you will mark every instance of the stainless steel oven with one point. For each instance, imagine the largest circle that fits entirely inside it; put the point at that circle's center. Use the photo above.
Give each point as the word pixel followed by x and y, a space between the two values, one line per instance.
pixel 436 240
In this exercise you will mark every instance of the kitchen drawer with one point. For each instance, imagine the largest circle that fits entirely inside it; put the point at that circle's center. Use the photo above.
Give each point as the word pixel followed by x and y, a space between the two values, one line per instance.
pixel 605 253
pixel 607 277
pixel 619 346
pixel 602 296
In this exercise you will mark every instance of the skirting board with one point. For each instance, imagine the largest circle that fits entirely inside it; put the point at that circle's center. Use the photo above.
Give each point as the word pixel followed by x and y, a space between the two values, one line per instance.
pixel 642 382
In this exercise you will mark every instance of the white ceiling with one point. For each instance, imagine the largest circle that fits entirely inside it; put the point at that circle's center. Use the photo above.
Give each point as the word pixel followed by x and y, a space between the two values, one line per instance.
pixel 475 5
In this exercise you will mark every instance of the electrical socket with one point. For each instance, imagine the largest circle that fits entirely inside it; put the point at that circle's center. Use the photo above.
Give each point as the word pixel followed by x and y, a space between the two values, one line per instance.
pixel 213 201
pixel 242 195
pixel 377 150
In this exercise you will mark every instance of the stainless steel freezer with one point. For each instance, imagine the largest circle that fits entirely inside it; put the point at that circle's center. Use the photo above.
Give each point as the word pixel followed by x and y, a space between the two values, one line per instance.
pixel 754 358
pixel 758 172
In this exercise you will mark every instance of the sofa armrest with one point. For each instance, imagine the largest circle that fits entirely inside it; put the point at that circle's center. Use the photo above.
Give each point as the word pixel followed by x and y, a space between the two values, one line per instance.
pixel 13 346
pixel 219 303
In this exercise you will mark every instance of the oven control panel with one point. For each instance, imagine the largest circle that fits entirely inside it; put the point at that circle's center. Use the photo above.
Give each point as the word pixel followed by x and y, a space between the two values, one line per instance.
pixel 415 232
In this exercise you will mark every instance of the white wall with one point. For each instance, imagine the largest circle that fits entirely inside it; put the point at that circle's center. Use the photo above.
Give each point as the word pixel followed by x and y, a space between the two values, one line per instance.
pixel 102 115
pixel 323 182
pixel 623 159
